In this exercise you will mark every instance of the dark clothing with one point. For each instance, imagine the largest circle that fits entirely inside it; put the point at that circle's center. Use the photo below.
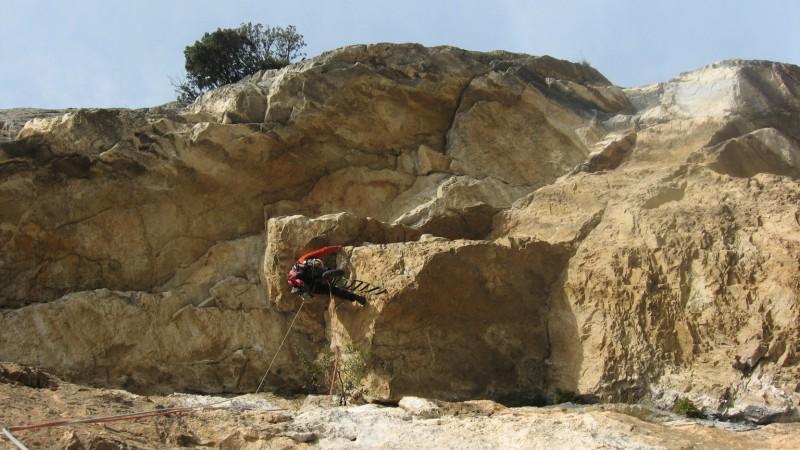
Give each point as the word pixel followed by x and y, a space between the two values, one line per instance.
pixel 309 276
pixel 344 294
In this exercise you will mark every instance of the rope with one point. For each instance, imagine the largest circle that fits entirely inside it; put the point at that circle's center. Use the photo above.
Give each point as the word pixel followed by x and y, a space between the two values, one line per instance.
pixel 334 342
pixel 302 302
pixel 119 417
pixel 152 413
pixel 333 374
pixel 102 419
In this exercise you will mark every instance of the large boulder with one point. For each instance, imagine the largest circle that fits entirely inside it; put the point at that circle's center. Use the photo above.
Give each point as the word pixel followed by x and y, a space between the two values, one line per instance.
pixel 460 319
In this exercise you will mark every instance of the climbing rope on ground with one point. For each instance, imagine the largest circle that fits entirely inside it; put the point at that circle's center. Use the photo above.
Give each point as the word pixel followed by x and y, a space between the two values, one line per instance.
pixel 144 414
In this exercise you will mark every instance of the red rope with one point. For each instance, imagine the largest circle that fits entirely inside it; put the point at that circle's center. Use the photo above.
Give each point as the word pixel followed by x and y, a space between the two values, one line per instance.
pixel 333 375
pixel 331 313
pixel 103 419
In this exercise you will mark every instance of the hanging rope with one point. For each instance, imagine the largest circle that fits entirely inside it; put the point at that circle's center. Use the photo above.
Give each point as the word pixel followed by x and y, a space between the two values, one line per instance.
pixel 302 302
pixel 333 375
pixel 334 344
pixel 152 413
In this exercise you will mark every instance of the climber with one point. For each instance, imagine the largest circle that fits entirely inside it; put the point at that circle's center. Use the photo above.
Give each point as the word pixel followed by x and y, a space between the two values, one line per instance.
pixel 309 275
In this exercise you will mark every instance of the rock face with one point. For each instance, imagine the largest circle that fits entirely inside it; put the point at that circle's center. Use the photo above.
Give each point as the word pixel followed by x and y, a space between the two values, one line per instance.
pixel 536 230
pixel 12 120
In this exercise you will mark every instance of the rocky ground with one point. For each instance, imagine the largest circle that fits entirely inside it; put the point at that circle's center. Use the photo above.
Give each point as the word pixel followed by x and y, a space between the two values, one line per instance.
pixel 264 421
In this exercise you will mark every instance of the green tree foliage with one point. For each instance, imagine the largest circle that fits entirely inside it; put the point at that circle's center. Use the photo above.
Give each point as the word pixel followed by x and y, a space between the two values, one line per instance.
pixel 229 54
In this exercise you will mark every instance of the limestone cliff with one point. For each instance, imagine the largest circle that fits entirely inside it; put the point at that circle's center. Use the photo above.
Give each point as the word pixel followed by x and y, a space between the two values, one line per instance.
pixel 536 228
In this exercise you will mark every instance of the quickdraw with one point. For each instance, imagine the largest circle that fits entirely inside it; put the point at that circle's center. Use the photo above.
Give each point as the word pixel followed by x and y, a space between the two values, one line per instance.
pixel 358 286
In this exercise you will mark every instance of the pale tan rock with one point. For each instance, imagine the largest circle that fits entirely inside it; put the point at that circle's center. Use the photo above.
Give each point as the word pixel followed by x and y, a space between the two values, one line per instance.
pixel 535 143
pixel 613 152
pixel 429 160
pixel 419 406
pixel 460 206
pixel 665 267
pixel 250 422
pixel 84 131
pixel 676 248
pixel 12 120
pixel 469 316
pixel 166 341
pixel 120 199
pixel 765 150
pixel 242 102
pixel 359 190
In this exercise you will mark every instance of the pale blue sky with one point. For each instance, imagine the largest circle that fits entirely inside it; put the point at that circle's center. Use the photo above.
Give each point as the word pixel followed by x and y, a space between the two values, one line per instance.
pixel 109 53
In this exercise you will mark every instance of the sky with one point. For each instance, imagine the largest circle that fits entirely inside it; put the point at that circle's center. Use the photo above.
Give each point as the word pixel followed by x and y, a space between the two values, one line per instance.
pixel 114 53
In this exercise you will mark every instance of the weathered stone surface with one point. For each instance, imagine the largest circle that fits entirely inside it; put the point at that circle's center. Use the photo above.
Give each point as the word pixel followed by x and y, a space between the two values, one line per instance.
pixel 429 160
pixel 765 150
pixel 209 329
pixel 119 199
pixel 12 120
pixel 694 269
pixel 419 406
pixel 251 422
pixel 506 128
pixel 241 102
pixel 663 266
pixel 469 316
pixel 460 206
pixel 84 131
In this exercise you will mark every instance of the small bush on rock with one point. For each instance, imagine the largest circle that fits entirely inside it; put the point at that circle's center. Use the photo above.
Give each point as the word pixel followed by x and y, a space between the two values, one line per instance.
pixel 686 407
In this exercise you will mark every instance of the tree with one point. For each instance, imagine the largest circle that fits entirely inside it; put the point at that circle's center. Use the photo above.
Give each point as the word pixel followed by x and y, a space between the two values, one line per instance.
pixel 229 54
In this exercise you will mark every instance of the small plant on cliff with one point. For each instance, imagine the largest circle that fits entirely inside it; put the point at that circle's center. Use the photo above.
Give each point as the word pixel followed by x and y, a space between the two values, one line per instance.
pixel 686 407
pixel 227 55
pixel 315 370
pixel 352 370
pixel 354 366
pixel 565 396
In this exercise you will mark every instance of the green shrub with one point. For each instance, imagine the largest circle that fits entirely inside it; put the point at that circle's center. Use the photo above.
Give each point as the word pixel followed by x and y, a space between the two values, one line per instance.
pixel 686 407
pixel 316 370
pixel 565 396
pixel 352 368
